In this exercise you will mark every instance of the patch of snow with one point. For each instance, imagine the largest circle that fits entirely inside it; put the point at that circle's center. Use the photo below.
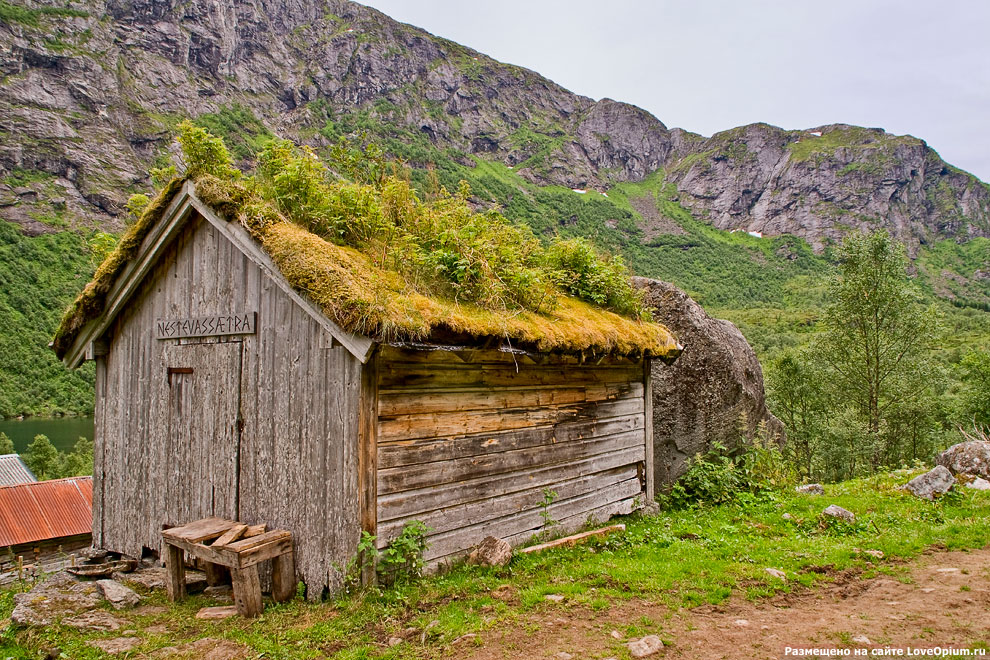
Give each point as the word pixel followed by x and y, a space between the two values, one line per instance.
pixel 816 133
pixel 755 234
pixel 604 194
pixel 578 190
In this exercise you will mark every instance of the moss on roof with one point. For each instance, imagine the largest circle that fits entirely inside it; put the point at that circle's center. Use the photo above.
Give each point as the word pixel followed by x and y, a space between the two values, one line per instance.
pixel 365 299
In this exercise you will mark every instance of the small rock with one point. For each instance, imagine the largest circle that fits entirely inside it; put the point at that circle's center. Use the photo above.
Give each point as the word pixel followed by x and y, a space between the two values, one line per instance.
pixel 645 647
pixel 222 612
pixel 787 516
pixel 972 457
pixel 465 638
pixel 94 620
pixel 394 641
pixel 947 570
pixel 979 484
pixel 861 639
pixel 742 623
pixel 776 573
pixel 934 482
pixel 491 552
pixel 834 511
pixel 554 598
pixel 876 554
pixel 120 597
pixel 58 596
pixel 616 634
pixel 811 489
pixel 116 645
pixel 927 590
pixel 207 648
pixel 564 655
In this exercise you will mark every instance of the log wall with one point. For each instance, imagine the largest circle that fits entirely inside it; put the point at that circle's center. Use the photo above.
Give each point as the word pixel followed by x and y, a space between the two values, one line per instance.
pixel 469 440
pixel 263 428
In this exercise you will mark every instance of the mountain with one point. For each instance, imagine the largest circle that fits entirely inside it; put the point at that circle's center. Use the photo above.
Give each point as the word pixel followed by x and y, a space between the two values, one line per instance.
pixel 91 92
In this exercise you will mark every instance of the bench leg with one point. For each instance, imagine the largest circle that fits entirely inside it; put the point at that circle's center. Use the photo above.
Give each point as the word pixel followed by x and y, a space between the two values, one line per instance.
pixel 176 582
pixel 283 577
pixel 247 591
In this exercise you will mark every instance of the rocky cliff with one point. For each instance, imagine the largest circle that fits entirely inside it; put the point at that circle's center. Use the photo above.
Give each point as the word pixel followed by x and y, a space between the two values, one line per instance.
pixel 91 92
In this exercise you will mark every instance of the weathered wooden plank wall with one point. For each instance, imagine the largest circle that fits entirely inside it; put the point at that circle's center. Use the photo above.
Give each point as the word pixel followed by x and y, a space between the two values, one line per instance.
pixel 171 453
pixel 467 441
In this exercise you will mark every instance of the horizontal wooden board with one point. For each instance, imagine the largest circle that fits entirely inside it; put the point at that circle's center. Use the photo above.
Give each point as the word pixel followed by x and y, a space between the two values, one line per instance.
pixel 392 480
pixel 426 450
pixel 394 404
pixel 432 425
pixel 529 521
pixel 410 504
pixel 501 504
pixel 482 357
pixel 398 376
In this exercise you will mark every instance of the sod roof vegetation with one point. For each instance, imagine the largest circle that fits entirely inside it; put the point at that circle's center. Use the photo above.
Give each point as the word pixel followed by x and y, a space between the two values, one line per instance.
pixel 365 299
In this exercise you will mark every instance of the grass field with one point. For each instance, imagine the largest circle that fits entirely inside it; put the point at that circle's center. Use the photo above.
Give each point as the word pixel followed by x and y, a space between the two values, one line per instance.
pixel 677 558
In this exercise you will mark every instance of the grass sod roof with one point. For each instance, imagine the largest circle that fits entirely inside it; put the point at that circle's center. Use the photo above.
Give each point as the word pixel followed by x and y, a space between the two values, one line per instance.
pixel 365 299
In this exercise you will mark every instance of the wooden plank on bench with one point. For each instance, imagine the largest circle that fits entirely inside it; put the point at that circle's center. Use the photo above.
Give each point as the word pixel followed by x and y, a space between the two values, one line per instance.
pixel 201 530
pixel 231 535
pixel 220 556
pixel 255 530
pixel 246 545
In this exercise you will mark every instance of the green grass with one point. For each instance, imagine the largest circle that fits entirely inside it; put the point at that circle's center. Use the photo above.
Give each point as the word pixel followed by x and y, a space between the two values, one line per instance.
pixel 677 559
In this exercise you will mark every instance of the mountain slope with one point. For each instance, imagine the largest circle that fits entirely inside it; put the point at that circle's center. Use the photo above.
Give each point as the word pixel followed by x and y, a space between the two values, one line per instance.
pixel 90 94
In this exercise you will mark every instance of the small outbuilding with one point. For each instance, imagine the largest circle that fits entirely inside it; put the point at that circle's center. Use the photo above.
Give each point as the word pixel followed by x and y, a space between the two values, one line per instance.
pixel 225 388
pixel 13 471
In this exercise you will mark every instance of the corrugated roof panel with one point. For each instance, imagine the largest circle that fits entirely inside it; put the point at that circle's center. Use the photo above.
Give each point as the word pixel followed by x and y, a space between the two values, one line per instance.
pixel 13 471
pixel 45 510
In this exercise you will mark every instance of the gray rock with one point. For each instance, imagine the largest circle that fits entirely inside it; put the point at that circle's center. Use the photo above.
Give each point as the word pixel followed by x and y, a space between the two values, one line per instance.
pixel 835 511
pixel 700 399
pixel 971 457
pixel 645 647
pixel 120 597
pixel 491 552
pixel 222 612
pixel 932 483
pixel 777 573
pixel 59 596
pixel 117 645
pixel 811 489
pixel 94 620
pixel 978 484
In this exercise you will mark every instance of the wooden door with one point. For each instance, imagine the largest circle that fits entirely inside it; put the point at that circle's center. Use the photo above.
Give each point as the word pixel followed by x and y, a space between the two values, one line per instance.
pixel 201 418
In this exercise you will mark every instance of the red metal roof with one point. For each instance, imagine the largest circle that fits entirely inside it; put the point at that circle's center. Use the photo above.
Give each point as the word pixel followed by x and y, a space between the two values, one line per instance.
pixel 45 510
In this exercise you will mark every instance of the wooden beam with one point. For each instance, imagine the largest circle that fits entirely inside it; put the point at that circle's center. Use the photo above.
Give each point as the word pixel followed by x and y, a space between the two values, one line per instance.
pixel 651 486
pixel 574 539
pixel 368 459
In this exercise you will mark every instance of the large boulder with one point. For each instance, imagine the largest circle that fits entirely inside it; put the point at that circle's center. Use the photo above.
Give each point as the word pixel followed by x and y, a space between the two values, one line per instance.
pixel 709 392
pixel 931 484
pixel 972 457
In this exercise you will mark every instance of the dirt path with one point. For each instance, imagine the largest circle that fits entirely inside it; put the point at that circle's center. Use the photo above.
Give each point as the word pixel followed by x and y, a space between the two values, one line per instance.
pixel 945 603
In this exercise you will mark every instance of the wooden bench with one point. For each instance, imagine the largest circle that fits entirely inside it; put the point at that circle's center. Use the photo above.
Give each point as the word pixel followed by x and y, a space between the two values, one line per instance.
pixel 235 546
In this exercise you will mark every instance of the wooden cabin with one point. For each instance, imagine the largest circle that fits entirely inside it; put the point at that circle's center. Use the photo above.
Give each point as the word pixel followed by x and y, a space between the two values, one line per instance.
pixel 223 389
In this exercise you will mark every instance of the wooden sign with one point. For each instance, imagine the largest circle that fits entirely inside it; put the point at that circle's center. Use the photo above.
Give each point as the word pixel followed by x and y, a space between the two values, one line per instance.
pixel 207 326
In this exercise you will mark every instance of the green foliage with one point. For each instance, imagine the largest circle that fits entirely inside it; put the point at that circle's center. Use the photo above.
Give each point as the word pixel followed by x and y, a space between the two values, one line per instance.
pixel 402 559
pixel 6 444
pixel 42 458
pixel 136 204
pixel 581 271
pixel 976 397
pixel 17 14
pixel 441 246
pixel 722 476
pixel 242 132
pixel 77 462
pixel 39 275
pixel 205 153
pixel 549 497
pixel 101 244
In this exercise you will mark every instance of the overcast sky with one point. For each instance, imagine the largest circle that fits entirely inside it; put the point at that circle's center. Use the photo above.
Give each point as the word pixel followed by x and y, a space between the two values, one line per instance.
pixel 908 66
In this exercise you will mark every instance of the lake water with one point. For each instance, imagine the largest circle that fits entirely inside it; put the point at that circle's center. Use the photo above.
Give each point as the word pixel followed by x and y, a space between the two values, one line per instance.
pixel 62 431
